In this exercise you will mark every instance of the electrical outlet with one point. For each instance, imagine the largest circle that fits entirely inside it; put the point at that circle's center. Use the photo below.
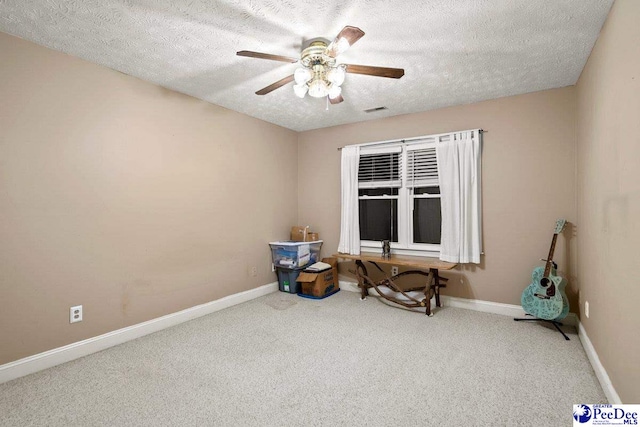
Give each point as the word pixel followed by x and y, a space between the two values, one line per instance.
pixel 254 271
pixel 394 271
pixel 75 314
pixel 586 309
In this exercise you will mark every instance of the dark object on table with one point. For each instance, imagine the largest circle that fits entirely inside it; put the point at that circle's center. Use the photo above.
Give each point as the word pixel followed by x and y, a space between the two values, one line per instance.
pixel 386 249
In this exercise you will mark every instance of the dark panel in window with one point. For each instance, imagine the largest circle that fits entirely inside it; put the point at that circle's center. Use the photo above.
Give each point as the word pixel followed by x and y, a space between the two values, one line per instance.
pixel 379 220
pixel 378 192
pixel 426 190
pixel 426 221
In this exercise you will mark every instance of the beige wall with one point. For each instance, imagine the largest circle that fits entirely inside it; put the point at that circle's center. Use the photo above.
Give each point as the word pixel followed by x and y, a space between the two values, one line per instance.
pixel 608 143
pixel 136 201
pixel 528 182
pixel 127 198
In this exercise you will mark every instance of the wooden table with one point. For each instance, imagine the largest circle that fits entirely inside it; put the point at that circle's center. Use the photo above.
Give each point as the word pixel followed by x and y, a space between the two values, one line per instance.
pixel 424 266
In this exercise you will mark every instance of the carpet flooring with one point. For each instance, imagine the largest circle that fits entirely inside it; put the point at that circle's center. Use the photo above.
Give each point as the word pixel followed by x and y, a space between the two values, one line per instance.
pixel 282 360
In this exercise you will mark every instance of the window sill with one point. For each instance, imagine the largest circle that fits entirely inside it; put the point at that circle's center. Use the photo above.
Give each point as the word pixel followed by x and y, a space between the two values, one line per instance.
pixel 398 251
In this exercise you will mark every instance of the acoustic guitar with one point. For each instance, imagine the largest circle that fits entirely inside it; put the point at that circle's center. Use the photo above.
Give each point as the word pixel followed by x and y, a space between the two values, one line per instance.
pixel 545 297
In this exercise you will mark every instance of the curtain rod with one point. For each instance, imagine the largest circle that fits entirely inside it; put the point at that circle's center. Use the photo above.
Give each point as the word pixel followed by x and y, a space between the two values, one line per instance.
pixel 418 137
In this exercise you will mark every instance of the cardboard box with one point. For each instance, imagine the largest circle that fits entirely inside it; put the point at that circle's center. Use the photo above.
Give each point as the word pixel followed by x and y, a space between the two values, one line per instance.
pixel 300 233
pixel 321 283
pixel 317 284
pixel 333 262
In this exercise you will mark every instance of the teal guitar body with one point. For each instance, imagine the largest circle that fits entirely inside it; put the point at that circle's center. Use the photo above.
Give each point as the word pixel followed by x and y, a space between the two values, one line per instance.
pixel 545 297
pixel 536 301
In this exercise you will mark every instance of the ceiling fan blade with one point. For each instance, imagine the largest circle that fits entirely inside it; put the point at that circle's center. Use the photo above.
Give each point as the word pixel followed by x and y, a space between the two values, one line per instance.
pixel 276 85
pixel 393 73
pixel 336 100
pixel 260 55
pixel 346 38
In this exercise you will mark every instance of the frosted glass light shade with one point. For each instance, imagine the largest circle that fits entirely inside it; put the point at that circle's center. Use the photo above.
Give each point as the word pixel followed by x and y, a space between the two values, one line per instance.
pixel 318 88
pixel 334 91
pixel 300 90
pixel 341 46
pixel 336 75
pixel 302 75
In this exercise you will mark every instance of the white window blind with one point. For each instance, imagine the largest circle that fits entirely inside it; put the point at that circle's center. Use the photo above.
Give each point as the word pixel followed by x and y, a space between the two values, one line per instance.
pixel 422 166
pixel 380 169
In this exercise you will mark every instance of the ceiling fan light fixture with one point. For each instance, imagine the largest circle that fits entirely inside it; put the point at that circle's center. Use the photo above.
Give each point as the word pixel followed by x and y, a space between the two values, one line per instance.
pixel 319 74
pixel 334 91
pixel 300 90
pixel 302 75
pixel 318 88
pixel 336 75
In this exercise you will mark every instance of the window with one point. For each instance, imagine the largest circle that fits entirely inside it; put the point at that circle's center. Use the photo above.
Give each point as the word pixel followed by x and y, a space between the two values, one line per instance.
pixel 399 197
pixel 397 191
pixel 424 195
pixel 378 183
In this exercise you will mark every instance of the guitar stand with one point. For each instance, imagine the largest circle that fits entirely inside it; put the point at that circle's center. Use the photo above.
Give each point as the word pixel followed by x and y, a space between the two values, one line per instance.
pixel 535 319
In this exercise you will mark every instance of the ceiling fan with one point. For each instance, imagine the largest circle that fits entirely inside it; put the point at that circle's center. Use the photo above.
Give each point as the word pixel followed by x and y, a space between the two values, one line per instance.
pixel 320 75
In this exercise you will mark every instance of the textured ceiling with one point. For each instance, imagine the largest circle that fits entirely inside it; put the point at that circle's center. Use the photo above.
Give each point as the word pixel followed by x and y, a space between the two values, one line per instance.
pixel 453 51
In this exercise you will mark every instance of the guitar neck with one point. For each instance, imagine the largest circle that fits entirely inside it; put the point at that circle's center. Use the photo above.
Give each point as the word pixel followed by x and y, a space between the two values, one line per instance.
pixel 547 267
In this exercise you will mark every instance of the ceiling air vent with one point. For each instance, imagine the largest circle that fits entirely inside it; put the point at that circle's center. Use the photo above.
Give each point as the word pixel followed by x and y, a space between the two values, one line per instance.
pixel 373 110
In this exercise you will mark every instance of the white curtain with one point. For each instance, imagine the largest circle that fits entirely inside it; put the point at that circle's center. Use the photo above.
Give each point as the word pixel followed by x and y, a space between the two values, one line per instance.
pixel 350 215
pixel 459 171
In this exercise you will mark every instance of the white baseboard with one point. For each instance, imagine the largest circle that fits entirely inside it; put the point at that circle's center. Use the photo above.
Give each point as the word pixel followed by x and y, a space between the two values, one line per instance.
pixel 57 356
pixel 601 373
pixel 510 310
